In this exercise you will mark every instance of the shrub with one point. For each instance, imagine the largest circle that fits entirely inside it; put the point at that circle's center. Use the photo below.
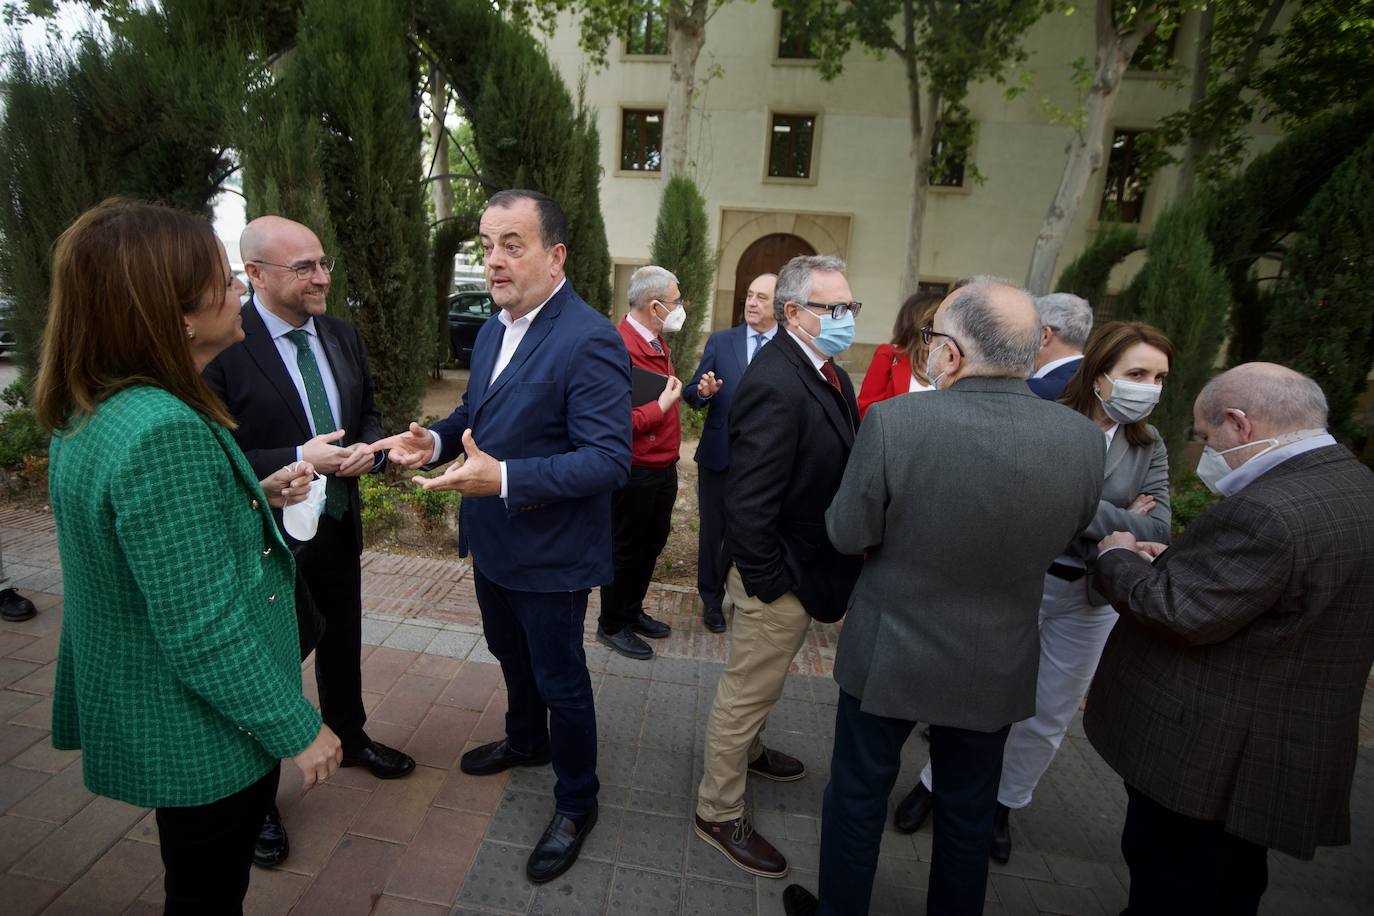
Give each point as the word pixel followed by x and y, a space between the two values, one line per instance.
pixel 681 244
pixel 382 515
pixel 20 437
pixel 1087 274
pixel 1189 499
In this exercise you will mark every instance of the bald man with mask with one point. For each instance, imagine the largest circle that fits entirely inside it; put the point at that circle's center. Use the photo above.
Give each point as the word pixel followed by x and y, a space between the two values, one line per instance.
pixel 299 387
pixel 1228 696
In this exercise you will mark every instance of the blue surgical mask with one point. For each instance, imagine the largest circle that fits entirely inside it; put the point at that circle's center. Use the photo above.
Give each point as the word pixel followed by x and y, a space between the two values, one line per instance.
pixel 836 334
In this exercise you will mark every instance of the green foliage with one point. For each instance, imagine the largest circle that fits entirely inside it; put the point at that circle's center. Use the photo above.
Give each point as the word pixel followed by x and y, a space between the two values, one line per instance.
pixel 1189 499
pixel 1253 212
pixel 528 130
pixel 1088 273
pixel 1324 60
pixel 20 437
pixel 682 244
pixel 390 506
pixel 447 237
pixel 343 156
pixel 382 515
pixel 1321 322
pixel 146 113
pixel 1182 293
pixel 693 420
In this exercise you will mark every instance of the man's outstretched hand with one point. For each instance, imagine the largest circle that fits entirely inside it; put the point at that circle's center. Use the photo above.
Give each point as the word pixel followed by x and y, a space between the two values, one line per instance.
pixel 409 449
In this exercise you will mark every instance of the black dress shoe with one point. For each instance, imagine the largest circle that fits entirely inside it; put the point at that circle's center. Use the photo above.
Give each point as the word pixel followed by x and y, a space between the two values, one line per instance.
pixel 626 643
pixel 914 809
pixel 645 625
pixel 384 762
pixel 1000 851
pixel 558 848
pixel 14 607
pixel 714 619
pixel 798 901
pixel 497 757
pixel 272 846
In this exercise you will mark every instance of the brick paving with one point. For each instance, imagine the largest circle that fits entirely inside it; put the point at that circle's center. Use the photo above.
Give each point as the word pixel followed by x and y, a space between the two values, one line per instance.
pixel 442 842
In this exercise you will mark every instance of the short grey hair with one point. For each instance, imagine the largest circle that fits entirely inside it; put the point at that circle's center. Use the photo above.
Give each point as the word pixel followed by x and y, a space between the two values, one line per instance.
pixel 648 283
pixel 794 280
pixel 1280 397
pixel 1069 316
pixel 992 345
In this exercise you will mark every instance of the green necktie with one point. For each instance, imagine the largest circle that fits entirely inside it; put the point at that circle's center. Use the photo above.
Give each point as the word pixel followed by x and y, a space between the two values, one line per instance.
pixel 335 493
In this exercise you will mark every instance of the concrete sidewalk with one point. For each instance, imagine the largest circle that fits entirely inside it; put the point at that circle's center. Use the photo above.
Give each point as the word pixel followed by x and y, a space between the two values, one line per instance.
pixel 443 842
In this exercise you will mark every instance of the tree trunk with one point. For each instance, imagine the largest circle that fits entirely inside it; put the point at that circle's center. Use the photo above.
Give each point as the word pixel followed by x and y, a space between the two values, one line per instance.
pixel 1085 153
pixel 686 35
pixel 922 136
pixel 1202 72
pixel 441 189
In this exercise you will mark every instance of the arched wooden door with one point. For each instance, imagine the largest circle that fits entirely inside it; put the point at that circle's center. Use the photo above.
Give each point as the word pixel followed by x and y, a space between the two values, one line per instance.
pixel 765 256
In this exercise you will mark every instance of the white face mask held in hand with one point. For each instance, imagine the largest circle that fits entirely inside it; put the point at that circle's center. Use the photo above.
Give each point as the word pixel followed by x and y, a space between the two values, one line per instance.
pixel 303 518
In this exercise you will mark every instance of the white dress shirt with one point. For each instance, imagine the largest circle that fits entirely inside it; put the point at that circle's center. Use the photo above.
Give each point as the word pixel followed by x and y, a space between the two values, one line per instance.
pixel 1304 440
pixel 510 341
pixel 750 336
pixel 816 361
pixel 278 328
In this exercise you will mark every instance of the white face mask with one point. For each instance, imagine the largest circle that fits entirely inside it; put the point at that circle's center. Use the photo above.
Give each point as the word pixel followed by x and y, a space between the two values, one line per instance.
pixel 675 320
pixel 930 374
pixel 302 519
pixel 1129 401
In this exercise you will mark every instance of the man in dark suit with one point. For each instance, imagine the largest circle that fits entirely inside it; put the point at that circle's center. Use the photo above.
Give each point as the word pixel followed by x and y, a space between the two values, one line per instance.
pixel 1065 323
pixel 642 510
pixel 545 429
pixel 791 429
pixel 298 385
pixel 1228 696
pixel 943 626
pixel 723 361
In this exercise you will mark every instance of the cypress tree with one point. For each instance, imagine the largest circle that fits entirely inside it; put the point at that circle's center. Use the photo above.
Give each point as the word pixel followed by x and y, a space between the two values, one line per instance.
pixel 528 130
pixel 681 244
pixel 343 156
pixel 1320 321
pixel 1088 273
pixel 1181 292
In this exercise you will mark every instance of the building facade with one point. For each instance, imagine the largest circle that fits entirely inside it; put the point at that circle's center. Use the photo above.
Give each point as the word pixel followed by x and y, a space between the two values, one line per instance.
pixel 790 163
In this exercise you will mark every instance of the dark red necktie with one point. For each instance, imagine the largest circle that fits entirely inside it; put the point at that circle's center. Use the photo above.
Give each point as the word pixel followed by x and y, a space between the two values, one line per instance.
pixel 828 371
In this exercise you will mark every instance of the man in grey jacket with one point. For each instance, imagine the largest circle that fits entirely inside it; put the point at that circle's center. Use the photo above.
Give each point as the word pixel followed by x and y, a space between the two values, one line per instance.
pixel 960 500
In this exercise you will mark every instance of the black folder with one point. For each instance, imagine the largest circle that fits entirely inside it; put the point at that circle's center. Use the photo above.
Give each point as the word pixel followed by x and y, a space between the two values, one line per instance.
pixel 645 386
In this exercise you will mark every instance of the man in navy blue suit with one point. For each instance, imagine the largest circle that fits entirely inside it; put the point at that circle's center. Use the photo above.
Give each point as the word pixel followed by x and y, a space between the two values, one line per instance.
pixel 723 361
pixel 1065 323
pixel 548 399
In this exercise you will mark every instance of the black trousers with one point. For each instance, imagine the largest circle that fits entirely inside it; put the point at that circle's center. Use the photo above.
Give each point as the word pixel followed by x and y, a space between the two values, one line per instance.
pixel 331 567
pixel 711 565
pixel 537 638
pixel 208 849
pixel 641 516
pixel 863 769
pixel 1182 866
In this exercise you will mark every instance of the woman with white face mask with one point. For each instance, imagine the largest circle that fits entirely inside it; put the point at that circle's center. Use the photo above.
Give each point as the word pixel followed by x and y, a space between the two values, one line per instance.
pixel 1117 385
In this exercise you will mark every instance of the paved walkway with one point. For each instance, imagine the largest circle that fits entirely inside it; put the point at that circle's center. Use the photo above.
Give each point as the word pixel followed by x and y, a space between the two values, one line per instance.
pixel 442 842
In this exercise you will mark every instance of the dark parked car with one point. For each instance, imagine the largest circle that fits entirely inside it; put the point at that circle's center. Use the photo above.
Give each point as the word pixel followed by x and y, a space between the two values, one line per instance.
pixel 467 312
pixel 7 338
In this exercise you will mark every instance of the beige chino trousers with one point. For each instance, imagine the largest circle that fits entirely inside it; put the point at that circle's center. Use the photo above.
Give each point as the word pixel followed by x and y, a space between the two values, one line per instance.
pixel 764 638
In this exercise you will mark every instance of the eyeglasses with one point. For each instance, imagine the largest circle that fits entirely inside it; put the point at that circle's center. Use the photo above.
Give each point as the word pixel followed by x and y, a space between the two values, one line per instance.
pixel 672 302
pixel 305 269
pixel 929 331
pixel 839 309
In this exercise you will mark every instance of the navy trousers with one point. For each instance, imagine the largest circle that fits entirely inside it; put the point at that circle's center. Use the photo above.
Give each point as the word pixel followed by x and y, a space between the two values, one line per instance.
pixel 537 638
pixel 1181 866
pixel 863 771
pixel 711 564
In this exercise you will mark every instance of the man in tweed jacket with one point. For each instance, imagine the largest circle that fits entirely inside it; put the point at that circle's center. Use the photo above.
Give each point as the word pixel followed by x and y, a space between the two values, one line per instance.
pixel 1228 696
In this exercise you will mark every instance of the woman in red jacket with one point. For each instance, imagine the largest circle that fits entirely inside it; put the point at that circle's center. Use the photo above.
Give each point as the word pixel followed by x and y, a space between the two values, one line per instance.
pixel 900 366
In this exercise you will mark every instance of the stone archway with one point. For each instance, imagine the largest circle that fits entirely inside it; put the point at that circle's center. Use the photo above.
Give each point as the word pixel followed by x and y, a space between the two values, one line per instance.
pixel 821 233
pixel 767 255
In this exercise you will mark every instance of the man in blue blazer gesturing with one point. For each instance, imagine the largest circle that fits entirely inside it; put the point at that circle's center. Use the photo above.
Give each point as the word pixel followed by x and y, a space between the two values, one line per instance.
pixel 548 400
pixel 723 361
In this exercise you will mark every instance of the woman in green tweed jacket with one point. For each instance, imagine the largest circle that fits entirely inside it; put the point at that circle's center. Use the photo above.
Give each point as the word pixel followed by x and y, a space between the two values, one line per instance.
pixel 177 674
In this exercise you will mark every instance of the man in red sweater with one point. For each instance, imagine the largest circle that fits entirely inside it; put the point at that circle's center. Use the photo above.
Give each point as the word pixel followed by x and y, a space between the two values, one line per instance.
pixel 642 511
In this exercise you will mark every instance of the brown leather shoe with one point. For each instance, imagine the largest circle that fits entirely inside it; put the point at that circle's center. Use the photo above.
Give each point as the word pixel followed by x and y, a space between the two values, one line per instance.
pixel 744 847
pixel 777 766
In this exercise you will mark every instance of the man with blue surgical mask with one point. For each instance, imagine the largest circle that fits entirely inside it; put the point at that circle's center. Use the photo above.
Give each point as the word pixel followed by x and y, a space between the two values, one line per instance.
pixel 791 429
pixel 1228 695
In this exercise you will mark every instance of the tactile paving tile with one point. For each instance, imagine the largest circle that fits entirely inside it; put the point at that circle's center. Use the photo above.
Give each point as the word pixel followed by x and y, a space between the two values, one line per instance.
pixel 497 879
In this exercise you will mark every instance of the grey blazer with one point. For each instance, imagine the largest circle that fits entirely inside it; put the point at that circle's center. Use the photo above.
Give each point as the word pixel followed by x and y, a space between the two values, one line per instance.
pixel 961 499
pixel 1130 471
